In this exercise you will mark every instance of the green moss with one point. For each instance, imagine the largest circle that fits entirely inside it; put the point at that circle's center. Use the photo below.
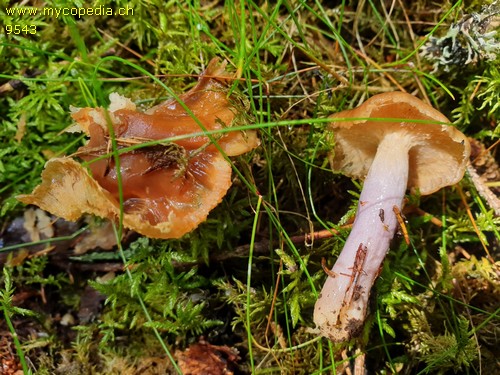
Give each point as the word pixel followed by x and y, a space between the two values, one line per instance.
pixel 178 312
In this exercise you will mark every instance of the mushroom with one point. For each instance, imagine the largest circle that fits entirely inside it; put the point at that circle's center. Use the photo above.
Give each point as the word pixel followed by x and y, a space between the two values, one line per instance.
pixel 168 188
pixel 398 142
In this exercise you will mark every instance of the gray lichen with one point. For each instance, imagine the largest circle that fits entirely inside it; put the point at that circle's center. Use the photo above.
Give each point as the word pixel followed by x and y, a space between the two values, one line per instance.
pixel 468 41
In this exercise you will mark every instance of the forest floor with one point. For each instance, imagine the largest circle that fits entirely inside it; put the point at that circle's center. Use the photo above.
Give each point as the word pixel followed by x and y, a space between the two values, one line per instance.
pixel 236 295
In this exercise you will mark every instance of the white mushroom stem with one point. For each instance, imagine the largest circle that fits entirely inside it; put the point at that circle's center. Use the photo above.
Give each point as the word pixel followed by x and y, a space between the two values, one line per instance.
pixel 341 308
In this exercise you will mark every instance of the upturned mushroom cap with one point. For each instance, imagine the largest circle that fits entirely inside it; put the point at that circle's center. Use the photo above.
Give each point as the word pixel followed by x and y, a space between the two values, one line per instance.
pixel 437 159
pixel 168 189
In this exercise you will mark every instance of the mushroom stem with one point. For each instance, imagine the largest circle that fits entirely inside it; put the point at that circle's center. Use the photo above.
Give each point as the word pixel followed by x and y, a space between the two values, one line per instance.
pixel 341 308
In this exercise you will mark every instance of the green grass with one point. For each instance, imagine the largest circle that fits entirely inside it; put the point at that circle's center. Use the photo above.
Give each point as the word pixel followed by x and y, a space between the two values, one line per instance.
pixel 246 278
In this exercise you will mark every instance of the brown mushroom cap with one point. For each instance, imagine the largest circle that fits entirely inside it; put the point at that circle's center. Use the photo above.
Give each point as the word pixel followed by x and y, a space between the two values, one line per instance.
pixel 437 159
pixel 68 191
pixel 168 188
